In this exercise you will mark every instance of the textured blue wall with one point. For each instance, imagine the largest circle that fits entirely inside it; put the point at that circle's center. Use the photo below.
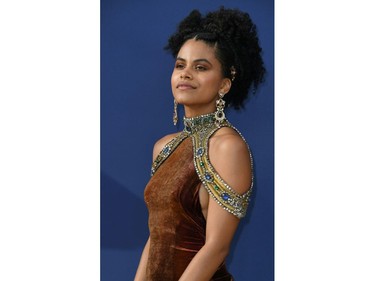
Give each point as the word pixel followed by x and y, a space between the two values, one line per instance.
pixel 136 110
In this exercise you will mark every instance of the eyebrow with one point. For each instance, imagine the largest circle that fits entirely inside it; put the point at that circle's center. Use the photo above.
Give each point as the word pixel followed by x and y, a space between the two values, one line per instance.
pixel 197 60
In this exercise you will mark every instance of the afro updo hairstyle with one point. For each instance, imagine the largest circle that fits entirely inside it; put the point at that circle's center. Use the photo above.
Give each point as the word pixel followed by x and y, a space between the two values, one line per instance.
pixel 233 35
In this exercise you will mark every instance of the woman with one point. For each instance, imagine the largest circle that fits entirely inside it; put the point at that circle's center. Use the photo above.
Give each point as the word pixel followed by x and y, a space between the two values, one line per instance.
pixel 202 177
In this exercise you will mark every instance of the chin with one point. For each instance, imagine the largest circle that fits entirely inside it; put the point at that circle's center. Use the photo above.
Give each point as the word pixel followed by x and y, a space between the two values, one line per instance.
pixel 182 99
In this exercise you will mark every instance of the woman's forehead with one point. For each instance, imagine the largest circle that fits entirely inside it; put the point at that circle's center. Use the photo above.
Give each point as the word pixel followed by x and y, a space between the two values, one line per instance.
pixel 196 49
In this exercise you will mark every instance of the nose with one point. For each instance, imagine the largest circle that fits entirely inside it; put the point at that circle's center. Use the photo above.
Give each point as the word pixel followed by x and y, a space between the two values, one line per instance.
pixel 185 75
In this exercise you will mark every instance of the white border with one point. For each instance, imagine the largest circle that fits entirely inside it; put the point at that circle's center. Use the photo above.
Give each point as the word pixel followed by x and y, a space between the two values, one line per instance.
pixel 49 144
pixel 324 140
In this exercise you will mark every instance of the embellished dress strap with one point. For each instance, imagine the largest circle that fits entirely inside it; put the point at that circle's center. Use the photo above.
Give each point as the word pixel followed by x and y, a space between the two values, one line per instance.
pixel 167 150
pixel 201 130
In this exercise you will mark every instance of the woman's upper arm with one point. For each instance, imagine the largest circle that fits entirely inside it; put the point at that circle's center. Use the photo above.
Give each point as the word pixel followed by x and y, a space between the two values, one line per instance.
pixel 229 154
pixel 230 157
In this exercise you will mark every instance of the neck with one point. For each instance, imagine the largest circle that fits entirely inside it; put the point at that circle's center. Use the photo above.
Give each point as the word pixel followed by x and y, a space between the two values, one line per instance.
pixel 194 112
pixel 199 123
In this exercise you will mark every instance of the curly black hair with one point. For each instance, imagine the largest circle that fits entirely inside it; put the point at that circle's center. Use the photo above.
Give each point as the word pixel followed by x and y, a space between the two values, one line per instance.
pixel 233 35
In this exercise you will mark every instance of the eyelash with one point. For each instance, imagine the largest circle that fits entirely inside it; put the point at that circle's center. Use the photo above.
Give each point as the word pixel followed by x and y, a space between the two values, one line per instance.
pixel 200 67
pixel 197 67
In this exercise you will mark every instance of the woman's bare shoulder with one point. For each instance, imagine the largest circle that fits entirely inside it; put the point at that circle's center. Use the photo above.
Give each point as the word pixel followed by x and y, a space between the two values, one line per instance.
pixel 158 146
pixel 228 140
pixel 230 156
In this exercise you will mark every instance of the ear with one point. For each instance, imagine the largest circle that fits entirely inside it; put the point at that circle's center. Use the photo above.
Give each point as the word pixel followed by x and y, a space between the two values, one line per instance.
pixel 225 85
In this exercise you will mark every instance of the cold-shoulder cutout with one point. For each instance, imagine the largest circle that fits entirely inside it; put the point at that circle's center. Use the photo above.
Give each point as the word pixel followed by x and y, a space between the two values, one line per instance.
pixel 224 165
pixel 230 157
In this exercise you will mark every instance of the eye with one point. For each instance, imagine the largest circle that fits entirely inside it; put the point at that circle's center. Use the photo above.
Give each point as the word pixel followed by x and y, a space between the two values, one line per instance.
pixel 200 67
pixel 179 65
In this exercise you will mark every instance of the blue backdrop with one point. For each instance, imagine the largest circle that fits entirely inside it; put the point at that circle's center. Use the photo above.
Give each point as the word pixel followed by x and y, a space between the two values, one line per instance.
pixel 136 110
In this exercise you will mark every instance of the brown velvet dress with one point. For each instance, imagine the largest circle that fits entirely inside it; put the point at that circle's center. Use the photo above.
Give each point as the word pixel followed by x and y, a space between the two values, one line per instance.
pixel 176 223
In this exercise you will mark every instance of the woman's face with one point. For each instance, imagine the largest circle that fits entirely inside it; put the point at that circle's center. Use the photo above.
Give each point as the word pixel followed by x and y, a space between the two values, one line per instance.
pixel 197 78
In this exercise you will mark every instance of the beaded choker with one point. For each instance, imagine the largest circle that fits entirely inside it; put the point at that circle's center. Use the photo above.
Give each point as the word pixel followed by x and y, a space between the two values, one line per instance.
pixel 196 124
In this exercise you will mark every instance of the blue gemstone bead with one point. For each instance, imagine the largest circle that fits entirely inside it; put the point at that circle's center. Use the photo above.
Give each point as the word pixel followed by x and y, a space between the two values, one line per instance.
pixel 225 196
pixel 208 177
pixel 166 149
pixel 200 151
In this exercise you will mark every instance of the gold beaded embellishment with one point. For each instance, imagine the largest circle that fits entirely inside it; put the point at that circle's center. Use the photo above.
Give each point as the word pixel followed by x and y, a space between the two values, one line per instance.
pixel 167 150
pixel 220 191
pixel 200 129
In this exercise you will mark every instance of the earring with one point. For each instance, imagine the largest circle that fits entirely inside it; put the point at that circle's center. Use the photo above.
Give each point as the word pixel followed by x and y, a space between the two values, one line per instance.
pixel 175 116
pixel 219 114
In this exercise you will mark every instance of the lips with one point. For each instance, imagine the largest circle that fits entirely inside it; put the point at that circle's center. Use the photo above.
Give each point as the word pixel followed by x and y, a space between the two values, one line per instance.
pixel 185 86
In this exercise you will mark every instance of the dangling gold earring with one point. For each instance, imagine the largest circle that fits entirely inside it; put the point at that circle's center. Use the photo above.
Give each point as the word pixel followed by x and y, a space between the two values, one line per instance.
pixel 219 114
pixel 175 116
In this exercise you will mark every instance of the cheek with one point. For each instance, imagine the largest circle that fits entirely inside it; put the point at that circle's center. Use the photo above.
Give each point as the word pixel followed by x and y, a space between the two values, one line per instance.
pixel 210 82
pixel 174 77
